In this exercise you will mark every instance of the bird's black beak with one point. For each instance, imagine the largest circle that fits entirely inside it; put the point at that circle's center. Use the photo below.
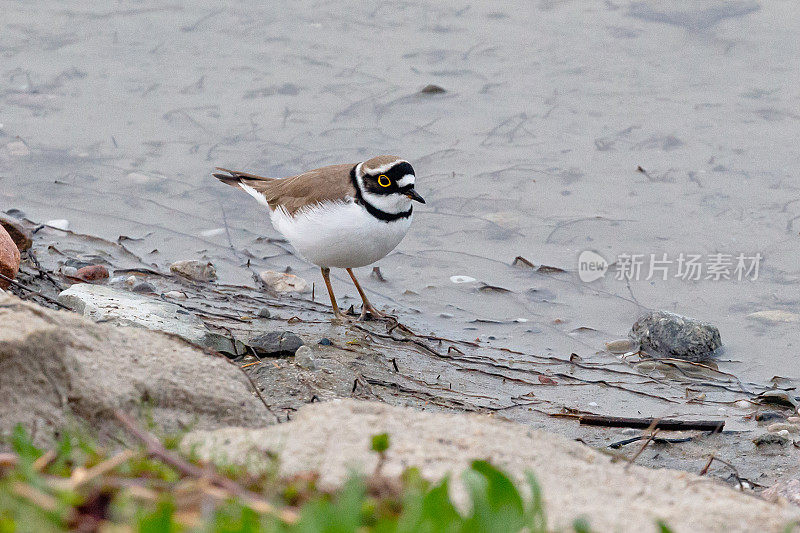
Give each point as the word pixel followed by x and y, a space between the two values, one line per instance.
pixel 415 196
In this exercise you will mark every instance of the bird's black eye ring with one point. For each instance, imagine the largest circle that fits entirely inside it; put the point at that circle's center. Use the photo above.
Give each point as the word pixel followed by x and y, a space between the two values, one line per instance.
pixel 384 181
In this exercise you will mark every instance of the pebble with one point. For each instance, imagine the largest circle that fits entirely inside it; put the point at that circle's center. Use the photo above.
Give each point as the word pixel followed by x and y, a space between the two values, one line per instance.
pixel 779 427
pixel 194 270
pixel 769 415
pixel 777 397
pixel 630 432
pixel 92 273
pixel 788 488
pixel 325 341
pixel 144 287
pixel 593 404
pixel 446 315
pixel 793 419
pixel 771 438
pixel 462 279
pixel 622 346
pixel 131 280
pixel 138 177
pixel 276 343
pixel 175 295
pixel 115 279
pixel 742 404
pixel 9 258
pixel 432 89
pixel 18 149
pixel 775 316
pixel 69 271
pixel 58 223
pixel 303 358
pixel 665 334
pixel 22 236
pixel 282 282
pixel 264 312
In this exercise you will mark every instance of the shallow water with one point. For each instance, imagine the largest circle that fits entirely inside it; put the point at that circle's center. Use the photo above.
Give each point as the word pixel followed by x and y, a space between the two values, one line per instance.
pixel 532 151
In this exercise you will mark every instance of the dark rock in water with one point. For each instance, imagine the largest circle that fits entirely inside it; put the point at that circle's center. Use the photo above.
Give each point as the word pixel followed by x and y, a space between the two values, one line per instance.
pixel 276 343
pixel 144 287
pixel 432 89
pixel 665 334
pixel 770 416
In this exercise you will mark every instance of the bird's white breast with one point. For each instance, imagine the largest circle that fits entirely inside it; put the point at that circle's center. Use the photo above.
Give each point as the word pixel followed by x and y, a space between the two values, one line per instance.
pixel 339 234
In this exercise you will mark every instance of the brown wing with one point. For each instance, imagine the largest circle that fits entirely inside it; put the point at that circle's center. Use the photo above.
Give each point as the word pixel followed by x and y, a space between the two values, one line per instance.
pixel 324 184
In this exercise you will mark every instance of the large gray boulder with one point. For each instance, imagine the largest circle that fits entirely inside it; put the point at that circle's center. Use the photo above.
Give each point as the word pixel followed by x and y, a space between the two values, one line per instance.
pixel 58 368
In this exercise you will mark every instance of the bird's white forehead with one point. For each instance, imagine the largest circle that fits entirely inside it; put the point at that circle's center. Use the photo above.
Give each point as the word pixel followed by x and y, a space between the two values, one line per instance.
pixel 408 179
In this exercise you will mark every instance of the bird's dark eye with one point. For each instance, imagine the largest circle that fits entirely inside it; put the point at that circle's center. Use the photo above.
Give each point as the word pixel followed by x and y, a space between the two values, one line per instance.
pixel 384 181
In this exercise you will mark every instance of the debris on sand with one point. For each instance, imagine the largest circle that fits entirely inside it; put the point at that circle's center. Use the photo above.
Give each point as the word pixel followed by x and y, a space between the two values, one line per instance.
pixel 664 334
pixel 276 343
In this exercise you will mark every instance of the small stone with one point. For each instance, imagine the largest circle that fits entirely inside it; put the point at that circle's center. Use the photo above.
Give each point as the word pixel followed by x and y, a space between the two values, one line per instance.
pixel 69 271
pixel 432 89
pixel 593 404
pixel 766 416
pixel 303 358
pixel 775 316
pixel 282 282
pixel 22 236
pixel 194 270
pixel 131 281
pixel 18 149
pixel 138 177
pixel 77 263
pixel 771 438
pixel 446 315
pixel 622 346
pixel 92 273
pixel 777 397
pixel 58 223
pixel 325 341
pixel 9 258
pixel 630 432
pixel 462 279
pixel 742 404
pixel 276 343
pixel 263 312
pixel 778 427
pixel 788 488
pixel 175 295
pixel 793 419
pixel 144 287
pixel 665 334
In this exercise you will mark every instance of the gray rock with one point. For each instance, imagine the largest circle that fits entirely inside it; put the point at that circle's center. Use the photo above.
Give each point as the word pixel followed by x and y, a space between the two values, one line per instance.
pixel 122 308
pixel 194 270
pixel 264 312
pixel 665 334
pixel 282 282
pixel 144 287
pixel 59 368
pixel 771 438
pixel 276 343
pixel 304 358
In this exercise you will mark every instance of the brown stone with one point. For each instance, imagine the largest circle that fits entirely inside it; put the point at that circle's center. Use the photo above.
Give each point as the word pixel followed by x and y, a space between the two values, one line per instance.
pixel 21 235
pixel 92 272
pixel 9 258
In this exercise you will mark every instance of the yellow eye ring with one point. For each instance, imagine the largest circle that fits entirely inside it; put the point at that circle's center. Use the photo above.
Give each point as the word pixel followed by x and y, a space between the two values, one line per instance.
pixel 384 181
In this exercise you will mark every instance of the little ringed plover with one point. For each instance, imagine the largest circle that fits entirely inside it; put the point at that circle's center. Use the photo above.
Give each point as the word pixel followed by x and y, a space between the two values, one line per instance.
pixel 343 216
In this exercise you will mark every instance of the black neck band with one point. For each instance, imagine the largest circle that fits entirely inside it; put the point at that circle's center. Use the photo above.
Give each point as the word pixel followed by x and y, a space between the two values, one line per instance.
pixel 371 209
